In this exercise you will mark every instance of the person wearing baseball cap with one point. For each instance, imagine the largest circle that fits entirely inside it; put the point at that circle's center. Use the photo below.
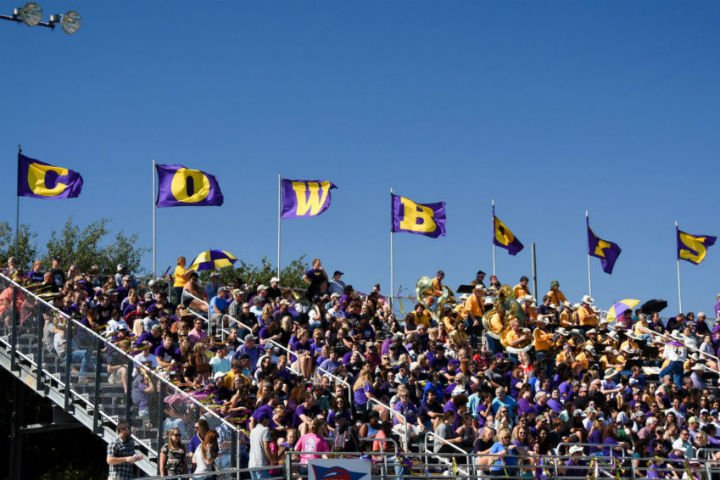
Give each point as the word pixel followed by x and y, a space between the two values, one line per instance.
pixel 336 284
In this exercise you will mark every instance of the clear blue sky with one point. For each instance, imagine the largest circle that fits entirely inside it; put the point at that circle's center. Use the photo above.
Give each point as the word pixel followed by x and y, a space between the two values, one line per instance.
pixel 547 107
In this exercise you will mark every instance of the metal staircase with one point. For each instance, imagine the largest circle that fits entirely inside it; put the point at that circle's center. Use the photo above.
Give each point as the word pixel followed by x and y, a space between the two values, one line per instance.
pixel 81 372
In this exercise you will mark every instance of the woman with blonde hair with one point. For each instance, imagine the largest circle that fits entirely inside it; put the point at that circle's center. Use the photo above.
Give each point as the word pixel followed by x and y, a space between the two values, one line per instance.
pixel 173 455
pixel 363 390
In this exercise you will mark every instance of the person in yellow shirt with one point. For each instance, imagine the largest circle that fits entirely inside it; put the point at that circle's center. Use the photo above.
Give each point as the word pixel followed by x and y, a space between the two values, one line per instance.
pixel 516 337
pixel 543 342
pixel 528 306
pixel 587 318
pixel 474 305
pixel 568 319
pixel 459 337
pixel 556 295
pixel 582 360
pixel 612 359
pixel 565 356
pixel 433 293
pixel 542 338
pixel 180 276
pixel 420 316
pixel 479 279
pixel 496 324
pixel 521 289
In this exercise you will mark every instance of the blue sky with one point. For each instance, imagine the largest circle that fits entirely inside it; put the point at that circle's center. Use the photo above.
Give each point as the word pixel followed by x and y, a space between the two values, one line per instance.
pixel 550 108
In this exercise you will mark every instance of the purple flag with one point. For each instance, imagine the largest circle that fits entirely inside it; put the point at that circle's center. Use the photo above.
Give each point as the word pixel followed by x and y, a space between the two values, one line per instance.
pixel 184 187
pixel 607 251
pixel 305 198
pixel 422 218
pixel 40 180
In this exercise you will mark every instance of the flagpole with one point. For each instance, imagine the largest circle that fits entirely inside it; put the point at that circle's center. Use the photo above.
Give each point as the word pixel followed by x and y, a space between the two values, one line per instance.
pixel 154 224
pixel 534 271
pixel 493 243
pixel 587 221
pixel 17 211
pixel 677 264
pixel 279 223
pixel 392 259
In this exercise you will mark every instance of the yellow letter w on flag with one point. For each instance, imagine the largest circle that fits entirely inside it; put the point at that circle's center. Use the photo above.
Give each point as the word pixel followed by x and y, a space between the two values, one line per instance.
pixel 312 204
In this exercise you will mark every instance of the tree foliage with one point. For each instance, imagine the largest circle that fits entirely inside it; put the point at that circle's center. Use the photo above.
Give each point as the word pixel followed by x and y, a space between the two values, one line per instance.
pixel 83 246
pixel 26 251
pixel 248 273
pixel 87 247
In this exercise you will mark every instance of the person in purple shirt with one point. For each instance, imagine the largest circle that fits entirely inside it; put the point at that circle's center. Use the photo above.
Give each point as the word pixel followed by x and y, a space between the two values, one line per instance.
pixel 167 352
pixel 439 361
pixel 154 336
pixel 316 278
pixel 554 401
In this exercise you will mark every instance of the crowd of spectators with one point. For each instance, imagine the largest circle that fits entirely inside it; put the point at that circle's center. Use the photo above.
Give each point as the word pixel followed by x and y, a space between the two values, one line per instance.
pixel 331 369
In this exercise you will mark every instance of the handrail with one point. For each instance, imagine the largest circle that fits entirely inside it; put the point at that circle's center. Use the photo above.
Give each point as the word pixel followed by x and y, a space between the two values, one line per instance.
pixel 289 366
pixel 436 437
pixel 338 380
pixel 600 446
pixel 227 315
pixel 393 412
pixel 107 343
pixel 653 333
pixel 273 342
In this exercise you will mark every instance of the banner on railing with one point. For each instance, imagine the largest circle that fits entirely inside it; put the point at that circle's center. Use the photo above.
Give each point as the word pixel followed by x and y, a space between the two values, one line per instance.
pixel 339 469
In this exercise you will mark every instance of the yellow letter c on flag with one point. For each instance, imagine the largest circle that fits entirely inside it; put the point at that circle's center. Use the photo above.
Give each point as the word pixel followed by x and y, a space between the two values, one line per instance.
pixel 37 175
pixel 179 186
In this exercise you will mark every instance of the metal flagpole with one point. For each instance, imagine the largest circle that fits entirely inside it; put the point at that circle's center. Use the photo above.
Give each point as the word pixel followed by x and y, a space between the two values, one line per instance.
pixel 534 272
pixel 279 223
pixel 677 263
pixel 587 221
pixel 154 224
pixel 392 257
pixel 493 243
pixel 17 210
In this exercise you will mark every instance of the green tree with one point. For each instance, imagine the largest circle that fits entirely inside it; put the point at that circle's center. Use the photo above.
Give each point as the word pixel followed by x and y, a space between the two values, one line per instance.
pixel 87 247
pixel 291 276
pixel 26 251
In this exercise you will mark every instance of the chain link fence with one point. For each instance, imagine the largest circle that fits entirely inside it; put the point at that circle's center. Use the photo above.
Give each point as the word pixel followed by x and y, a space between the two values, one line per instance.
pixel 106 378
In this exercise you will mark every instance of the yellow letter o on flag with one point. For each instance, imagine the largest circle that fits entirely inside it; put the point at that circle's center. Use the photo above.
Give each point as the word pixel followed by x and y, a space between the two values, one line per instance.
pixel 179 186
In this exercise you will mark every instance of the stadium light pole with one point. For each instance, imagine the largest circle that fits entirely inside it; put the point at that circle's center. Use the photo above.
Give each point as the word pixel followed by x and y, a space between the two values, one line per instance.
pixel 31 14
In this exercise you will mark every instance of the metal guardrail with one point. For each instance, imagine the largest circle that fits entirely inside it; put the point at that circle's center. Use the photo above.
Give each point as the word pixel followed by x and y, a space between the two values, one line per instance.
pixel 90 357
pixel 693 349
pixel 397 414
pixel 336 379
pixel 436 438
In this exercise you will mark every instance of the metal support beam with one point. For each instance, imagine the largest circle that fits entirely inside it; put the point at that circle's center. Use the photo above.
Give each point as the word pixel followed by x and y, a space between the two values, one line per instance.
pixel 16 421
pixel 68 361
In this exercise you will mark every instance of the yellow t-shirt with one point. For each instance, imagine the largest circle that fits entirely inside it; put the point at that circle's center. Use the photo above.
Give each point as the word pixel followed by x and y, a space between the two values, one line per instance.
pixel 474 307
pixel 587 317
pixel 179 276
pixel 520 291
pixel 543 340
pixel 557 297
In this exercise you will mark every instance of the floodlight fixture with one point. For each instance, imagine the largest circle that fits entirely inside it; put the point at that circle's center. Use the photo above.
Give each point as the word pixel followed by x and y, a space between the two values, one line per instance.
pixel 71 22
pixel 30 14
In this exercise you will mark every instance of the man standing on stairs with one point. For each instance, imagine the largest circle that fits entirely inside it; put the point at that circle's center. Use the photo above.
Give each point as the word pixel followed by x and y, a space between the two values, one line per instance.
pixel 121 454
